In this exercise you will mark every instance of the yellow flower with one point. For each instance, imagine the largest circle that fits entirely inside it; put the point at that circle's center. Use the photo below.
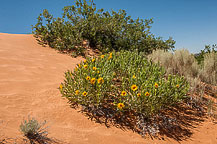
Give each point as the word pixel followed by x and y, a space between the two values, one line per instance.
pixel 94 68
pixel 147 94
pixel 93 80
pixel 61 86
pixel 84 93
pixel 156 85
pixel 100 80
pixel 110 54
pixel 85 66
pixel 93 60
pixel 88 78
pixel 120 106
pixel 110 57
pixel 98 72
pixel 123 93
pixel 85 61
pixel 134 76
pixel 139 94
pixel 134 87
pixel 102 56
pixel 76 69
pixel 77 92
pixel 177 86
pixel 79 65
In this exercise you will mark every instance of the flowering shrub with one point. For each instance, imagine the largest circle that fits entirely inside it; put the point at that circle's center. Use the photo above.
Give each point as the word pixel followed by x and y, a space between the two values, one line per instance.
pixel 123 82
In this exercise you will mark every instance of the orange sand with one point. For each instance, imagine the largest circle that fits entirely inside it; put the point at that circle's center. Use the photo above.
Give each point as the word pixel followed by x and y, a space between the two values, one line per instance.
pixel 29 77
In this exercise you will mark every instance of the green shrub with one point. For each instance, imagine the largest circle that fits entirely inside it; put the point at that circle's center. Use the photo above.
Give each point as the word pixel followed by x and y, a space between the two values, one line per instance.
pixel 208 49
pixel 103 30
pixel 123 82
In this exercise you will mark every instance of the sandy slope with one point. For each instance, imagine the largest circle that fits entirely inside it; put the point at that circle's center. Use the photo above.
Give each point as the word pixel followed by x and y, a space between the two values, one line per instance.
pixel 29 78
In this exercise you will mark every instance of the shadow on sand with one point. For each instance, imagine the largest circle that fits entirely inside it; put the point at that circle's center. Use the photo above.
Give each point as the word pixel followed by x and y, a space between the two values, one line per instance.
pixel 176 122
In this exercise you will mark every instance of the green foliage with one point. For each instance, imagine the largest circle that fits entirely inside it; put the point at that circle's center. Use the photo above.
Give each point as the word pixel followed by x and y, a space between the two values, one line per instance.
pixel 103 30
pixel 123 81
pixel 34 131
pixel 208 49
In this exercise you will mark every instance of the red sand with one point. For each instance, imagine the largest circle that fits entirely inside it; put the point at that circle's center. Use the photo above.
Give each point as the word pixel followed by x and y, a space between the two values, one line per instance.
pixel 29 77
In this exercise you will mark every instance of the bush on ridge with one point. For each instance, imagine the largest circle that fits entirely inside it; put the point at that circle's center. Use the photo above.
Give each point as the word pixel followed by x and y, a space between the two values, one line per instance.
pixel 104 30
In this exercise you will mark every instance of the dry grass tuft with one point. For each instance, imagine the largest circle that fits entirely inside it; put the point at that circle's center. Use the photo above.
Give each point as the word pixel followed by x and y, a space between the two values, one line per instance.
pixel 202 78
pixel 208 73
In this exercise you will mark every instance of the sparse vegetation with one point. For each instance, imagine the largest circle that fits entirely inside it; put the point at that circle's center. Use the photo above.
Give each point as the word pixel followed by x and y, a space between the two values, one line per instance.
pixel 34 131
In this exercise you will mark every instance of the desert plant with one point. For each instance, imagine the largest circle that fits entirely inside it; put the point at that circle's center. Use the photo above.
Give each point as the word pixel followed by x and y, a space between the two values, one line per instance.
pixel 208 49
pixel 208 73
pixel 34 131
pixel 123 82
pixel 179 62
pixel 103 30
pixel 183 63
pixel 199 76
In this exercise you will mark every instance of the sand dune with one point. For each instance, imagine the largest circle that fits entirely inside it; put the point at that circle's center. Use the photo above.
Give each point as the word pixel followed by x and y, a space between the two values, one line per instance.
pixel 29 77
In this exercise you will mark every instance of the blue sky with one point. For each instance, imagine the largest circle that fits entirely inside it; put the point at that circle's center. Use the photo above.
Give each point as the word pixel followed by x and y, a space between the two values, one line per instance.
pixel 191 23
